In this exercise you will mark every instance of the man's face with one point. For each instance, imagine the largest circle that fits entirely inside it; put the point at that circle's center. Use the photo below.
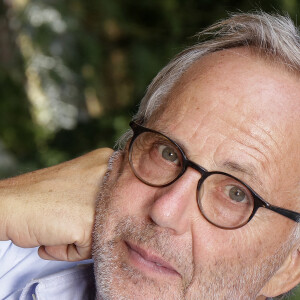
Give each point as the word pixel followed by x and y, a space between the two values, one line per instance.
pixel 231 112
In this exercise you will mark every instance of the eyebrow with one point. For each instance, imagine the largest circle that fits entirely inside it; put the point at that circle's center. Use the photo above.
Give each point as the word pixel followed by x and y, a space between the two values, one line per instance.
pixel 228 165
pixel 232 166
pixel 247 169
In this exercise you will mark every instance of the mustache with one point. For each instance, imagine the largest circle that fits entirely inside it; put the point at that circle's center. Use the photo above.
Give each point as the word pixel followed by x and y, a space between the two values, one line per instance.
pixel 160 240
pixel 140 231
pixel 143 233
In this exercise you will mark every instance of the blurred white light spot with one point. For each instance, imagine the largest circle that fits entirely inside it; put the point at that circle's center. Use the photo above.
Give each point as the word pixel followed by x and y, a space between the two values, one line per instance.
pixel 39 15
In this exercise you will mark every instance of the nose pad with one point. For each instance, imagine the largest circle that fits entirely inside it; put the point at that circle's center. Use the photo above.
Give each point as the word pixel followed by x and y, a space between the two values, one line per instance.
pixel 175 206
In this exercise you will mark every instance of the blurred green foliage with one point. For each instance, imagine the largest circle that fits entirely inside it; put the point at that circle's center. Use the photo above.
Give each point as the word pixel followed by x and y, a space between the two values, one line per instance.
pixel 72 72
pixel 295 295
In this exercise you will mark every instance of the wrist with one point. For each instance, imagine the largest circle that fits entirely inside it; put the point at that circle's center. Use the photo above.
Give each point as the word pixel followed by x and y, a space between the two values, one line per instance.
pixel 5 210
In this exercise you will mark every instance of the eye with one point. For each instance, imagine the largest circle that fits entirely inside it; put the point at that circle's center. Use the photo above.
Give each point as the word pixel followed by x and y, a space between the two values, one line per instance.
pixel 236 194
pixel 169 154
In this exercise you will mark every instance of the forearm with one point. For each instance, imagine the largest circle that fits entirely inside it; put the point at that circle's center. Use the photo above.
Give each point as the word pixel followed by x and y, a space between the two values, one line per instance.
pixel 5 211
pixel 54 206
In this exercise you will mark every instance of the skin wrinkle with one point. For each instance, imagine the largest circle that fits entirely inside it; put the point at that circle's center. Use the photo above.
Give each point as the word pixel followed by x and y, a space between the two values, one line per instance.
pixel 193 136
pixel 167 106
pixel 245 141
pixel 251 171
pixel 269 135
pixel 222 264
pixel 194 251
pixel 262 143
pixel 188 182
pixel 241 169
pixel 124 298
pixel 271 145
pixel 201 124
pixel 169 126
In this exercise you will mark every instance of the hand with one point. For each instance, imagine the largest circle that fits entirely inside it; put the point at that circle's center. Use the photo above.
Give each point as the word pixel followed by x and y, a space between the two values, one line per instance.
pixel 54 207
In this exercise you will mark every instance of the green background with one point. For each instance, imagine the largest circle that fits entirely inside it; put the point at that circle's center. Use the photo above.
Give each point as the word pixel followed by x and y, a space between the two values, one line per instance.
pixel 72 72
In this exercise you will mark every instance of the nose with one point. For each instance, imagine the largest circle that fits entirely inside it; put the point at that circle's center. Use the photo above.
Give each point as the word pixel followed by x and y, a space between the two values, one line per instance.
pixel 175 206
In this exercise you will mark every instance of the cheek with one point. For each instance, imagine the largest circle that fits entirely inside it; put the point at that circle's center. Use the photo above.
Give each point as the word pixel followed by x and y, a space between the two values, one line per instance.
pixel 247 246
pixel 130 195
pixel 211 244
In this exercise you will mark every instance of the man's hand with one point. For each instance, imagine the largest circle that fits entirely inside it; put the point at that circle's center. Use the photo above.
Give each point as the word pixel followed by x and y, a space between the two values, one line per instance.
pixel 54 207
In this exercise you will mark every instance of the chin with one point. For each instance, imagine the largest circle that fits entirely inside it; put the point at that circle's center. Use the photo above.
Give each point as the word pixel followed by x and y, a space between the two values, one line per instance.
pixel 117 279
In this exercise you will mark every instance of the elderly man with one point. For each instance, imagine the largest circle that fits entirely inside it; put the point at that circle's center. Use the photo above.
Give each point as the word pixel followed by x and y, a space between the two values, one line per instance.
pixel 201 201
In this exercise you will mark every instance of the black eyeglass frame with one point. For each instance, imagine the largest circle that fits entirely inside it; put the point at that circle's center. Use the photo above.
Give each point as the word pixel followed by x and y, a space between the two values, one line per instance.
pixel 258 200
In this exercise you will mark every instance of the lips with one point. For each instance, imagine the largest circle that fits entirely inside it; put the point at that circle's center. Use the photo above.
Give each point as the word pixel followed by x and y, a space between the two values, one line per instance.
pixel 148 261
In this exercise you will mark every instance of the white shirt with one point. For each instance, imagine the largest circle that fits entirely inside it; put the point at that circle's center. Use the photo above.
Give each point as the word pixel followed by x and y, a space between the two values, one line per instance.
pixel 24 275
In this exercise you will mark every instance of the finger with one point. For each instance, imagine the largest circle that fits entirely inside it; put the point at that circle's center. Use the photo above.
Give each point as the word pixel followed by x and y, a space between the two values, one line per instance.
pixel 65 252
pixel 76 253
pixel 44 255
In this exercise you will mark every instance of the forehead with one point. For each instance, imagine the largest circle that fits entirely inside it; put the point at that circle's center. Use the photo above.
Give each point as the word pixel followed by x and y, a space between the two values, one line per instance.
pixel 237 79
pixel 234 106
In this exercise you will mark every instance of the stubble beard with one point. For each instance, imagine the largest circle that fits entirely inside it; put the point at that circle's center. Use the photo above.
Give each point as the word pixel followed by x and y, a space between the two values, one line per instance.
pixel 117 280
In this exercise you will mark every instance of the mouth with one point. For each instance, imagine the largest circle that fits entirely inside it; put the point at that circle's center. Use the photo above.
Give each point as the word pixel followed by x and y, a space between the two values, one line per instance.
pixel 148 262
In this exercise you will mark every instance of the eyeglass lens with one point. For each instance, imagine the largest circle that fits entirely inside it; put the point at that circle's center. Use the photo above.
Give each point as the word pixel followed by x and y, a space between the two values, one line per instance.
pixel 222 199
pixel 155 159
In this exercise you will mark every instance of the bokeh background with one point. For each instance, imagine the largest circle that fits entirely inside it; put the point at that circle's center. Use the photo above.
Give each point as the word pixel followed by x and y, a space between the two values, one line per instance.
pixel 73 71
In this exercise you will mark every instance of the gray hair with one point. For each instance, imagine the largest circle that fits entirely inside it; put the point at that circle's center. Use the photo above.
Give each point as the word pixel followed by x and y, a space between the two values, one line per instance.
pixel 274 37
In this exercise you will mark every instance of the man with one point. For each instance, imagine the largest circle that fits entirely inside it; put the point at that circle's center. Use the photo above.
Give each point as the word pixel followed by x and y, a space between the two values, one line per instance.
pixel 202 200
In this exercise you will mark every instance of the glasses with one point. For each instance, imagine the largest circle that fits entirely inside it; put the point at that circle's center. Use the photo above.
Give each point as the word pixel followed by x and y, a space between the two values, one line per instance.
pixel 224 200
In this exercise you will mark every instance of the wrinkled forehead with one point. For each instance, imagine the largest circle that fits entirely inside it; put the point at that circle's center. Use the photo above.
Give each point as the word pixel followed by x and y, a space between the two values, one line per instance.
pixel 233 96
pixel 238 79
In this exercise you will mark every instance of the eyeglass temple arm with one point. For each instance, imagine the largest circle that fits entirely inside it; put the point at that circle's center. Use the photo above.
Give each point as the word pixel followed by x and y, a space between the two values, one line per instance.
pixel 285 212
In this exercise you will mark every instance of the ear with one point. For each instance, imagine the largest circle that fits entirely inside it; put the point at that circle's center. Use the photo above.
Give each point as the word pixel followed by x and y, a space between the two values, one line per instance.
pixel 286 277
